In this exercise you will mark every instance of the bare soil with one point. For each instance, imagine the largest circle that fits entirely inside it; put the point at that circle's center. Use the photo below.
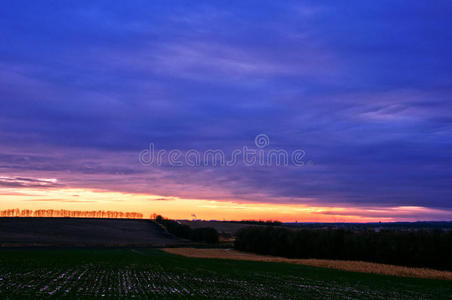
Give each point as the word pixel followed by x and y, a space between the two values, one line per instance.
pixel 81 232
pixel 221 227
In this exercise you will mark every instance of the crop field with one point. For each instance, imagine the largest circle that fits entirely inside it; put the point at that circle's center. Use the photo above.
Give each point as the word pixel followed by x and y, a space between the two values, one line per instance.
pixel 81 232
pixel 154 274
pixel 355 266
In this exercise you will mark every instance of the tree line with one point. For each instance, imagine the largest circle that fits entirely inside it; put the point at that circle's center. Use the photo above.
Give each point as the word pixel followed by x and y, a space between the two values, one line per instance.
pixel 205 234
pixel 421 248
pixel 64 213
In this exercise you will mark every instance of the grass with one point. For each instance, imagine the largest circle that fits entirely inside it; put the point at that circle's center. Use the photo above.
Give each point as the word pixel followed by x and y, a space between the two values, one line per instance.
pixel 154 274
pixel 355 266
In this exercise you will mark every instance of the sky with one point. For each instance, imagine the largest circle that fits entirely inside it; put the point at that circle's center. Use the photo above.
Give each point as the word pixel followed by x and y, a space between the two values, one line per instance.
pixel 362 88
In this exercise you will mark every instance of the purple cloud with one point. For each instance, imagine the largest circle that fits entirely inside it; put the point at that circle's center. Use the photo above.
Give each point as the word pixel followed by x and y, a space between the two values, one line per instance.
pixel 85 91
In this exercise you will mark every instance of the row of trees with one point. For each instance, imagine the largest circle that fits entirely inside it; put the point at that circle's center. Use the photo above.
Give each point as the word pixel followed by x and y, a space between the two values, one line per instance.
pixel 206 234
pixel 64 213
pixel 422 248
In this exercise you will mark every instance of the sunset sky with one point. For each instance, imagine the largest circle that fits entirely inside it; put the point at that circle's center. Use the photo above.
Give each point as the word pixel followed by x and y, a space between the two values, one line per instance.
pixel 363 88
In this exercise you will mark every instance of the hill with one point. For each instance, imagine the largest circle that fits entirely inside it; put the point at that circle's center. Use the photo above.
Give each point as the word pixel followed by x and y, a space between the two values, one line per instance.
pixel 80 232
pixel 223 227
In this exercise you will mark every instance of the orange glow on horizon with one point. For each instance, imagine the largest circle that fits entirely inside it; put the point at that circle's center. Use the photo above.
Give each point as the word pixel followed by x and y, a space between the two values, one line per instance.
pixel 177 208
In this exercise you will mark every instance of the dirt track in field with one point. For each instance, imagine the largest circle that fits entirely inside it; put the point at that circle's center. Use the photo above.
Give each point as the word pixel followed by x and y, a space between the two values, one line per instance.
pixel 354 266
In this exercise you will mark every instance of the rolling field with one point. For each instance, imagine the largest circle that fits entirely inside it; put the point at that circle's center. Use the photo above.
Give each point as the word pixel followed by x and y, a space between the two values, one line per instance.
pixel 154 274
pixel 82 232
pixel 221 227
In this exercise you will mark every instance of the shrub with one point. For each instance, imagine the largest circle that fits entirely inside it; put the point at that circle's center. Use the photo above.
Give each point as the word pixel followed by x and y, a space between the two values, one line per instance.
pixel 208 234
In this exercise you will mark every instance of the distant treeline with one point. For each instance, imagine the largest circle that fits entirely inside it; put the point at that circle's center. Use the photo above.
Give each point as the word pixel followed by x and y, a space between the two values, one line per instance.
pixel 379 226
pixel 206 234
pixel 258 222
pixel 421 248
pixel 63 213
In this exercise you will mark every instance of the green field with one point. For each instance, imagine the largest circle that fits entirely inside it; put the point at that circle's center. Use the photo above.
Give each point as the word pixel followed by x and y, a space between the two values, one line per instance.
pixel 154 274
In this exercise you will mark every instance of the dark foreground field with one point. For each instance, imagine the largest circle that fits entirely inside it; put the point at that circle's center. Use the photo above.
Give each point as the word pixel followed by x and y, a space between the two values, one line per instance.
pixel 154 274
pixel 83 232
